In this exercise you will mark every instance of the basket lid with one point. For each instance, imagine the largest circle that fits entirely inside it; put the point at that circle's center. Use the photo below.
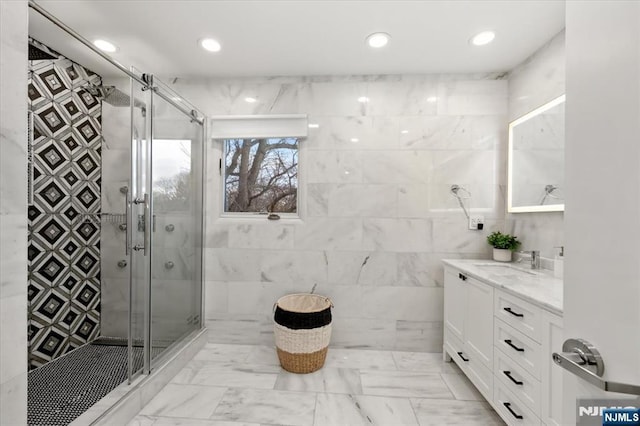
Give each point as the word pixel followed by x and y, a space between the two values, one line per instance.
pixel 304 302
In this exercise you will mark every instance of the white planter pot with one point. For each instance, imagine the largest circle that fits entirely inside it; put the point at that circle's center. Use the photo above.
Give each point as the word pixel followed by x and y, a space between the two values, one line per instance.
pixel 502 255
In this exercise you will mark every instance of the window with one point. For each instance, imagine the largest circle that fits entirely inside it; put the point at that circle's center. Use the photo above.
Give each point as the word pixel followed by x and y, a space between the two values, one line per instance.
pixel 261 175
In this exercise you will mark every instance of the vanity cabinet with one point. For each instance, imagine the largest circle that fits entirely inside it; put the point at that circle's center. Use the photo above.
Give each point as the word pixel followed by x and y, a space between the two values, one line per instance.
pixel 468 318
pixel 503 344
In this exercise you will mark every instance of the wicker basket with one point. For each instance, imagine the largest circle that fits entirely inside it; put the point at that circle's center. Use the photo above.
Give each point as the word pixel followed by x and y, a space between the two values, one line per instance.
pixel 302 329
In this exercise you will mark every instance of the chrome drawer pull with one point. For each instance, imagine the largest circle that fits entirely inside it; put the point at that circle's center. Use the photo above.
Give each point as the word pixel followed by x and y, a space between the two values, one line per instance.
pixel 515 314
pixel 463 358
pixel 513 413
pixel 508 374
pixel 508 342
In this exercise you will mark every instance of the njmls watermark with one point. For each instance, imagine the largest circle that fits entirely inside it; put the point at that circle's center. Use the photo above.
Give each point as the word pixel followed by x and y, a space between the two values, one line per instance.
pixel 604 412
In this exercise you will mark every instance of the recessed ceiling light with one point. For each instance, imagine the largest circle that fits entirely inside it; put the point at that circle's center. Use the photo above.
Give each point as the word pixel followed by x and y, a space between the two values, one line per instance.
pixel 377 40
pixel 355 140
pixel 432 99
pixel 250 100
pixel 210 45
pixel 483 38
pixel 404 132
pixel 313 125
pixel 105 46
pixel 363 99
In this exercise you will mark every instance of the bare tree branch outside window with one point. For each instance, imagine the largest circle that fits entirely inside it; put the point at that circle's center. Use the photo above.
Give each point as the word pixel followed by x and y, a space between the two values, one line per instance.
pixel 261 175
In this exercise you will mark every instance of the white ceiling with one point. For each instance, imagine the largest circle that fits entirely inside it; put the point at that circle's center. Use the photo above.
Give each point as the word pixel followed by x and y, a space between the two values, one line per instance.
pixel 302 37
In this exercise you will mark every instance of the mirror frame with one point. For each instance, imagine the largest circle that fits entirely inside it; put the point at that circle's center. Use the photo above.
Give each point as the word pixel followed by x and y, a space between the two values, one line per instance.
pixel 528 209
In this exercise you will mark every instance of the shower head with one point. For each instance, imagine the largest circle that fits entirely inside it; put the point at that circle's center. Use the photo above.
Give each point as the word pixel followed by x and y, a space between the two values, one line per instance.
pixel 113 96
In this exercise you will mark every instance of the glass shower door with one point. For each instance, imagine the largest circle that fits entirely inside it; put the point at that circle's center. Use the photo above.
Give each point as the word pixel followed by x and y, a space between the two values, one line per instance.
pixel 165 217
pixel 138 235
pixel 176 228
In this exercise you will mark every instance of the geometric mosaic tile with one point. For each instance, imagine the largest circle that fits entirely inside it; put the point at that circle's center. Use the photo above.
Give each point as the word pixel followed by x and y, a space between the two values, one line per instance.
pixel 64 229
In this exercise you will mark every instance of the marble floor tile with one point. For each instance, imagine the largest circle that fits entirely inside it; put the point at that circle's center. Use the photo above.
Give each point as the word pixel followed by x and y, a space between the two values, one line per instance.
pixel 362 359
pixel 464 413
pixel 183 421
pixel 266 406
pixel 263 355
pixel 363 410
pixel 215 352
pixel 461 387
pixel 173 400
pixel 408 384
pixel 421 361
pixel 331 380
pixel 228 375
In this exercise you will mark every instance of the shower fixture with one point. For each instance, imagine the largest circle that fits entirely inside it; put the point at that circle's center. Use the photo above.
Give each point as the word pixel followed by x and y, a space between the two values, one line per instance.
pixel 548 193
pixel 114 97
pixel 455 189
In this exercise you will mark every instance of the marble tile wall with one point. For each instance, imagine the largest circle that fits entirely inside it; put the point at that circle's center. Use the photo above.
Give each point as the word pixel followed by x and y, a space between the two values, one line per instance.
pixel 13 212
pixel 539 79
pixel 377 215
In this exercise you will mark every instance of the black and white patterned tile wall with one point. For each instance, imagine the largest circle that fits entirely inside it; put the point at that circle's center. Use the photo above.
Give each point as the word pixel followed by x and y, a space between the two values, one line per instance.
pixel 64 220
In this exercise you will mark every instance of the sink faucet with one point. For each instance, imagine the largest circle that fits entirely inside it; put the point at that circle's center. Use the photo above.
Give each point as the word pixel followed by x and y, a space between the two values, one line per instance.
pixel 534 255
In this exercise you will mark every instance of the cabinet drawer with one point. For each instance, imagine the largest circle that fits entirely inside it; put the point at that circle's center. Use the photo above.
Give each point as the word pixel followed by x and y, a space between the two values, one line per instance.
pixel 511 409
pixel 481 377
pixel 517 380
pixel 455 348
pixel 524 351
pixel 521 315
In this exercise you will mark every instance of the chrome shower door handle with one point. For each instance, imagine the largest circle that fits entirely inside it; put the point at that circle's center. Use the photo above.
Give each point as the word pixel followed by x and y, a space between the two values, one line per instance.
pixel 127 238
pixel 147 235
pixel 147 223
pixel 583 359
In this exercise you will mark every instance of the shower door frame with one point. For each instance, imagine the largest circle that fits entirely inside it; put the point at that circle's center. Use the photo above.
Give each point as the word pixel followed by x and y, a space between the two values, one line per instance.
pixel 142 175
pixel 195 116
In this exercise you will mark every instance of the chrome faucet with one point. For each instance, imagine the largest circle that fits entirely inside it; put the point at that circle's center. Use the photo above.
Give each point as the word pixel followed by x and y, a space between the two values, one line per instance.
pixel 534 255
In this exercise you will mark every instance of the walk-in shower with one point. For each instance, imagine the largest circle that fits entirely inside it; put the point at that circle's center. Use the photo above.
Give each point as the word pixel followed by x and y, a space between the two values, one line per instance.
pixel 115 225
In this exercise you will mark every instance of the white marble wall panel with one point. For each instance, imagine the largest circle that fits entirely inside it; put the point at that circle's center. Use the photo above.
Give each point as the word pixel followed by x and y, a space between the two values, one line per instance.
pixel 396 166
pixel 539 79
pixel 318 199
pixel 472 97
pixel 357 200
pixel 371 194
pixel 398 235
pixel 301 267
pixel 261 236
pixel 422 336
pixel 13 212
pixel 232 264
pixel 329 234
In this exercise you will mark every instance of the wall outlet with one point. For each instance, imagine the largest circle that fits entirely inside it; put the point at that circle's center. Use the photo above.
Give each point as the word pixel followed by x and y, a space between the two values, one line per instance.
pixel 474 221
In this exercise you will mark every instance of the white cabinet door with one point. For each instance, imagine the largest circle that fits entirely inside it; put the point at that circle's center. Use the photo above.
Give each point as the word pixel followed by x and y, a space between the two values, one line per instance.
pixel 454 303
pixel 552 338
pixel 479 322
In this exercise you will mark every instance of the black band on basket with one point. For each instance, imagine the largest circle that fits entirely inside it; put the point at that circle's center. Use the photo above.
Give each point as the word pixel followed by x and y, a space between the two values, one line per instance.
pixel 302 321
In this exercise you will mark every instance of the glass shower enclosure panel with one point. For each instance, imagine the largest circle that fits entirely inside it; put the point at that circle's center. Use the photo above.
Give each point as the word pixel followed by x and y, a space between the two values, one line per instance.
pixel 138 234
pixel 176 228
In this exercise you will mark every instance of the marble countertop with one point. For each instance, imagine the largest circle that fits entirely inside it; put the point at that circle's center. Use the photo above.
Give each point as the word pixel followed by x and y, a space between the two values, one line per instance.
pixel 538 286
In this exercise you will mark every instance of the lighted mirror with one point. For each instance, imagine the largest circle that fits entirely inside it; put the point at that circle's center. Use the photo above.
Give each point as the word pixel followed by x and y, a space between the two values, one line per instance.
pixel 536 160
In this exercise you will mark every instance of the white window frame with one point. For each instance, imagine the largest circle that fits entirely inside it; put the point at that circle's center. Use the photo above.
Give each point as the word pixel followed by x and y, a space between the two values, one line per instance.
pixel 257 127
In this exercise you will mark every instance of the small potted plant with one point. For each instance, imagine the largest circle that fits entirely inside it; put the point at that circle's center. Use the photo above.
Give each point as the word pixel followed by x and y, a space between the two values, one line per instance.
pixel 503 245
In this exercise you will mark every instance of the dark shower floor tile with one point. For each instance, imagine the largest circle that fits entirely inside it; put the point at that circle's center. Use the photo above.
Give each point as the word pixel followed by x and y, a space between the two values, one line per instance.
pixel 63 389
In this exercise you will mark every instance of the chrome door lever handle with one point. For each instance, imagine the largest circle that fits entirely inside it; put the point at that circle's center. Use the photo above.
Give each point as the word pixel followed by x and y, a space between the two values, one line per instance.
pixel 583 359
